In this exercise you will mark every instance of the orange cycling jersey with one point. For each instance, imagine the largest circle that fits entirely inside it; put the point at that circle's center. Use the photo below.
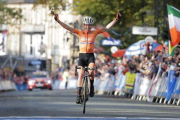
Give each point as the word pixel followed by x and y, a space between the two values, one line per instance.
pixel 87 40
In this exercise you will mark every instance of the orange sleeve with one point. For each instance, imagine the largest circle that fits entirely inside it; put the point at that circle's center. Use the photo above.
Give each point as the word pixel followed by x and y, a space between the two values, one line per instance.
pixel 76 31
pixel 99 31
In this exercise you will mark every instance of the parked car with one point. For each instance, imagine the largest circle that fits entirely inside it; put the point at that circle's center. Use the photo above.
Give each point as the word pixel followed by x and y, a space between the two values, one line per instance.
pixel 39 79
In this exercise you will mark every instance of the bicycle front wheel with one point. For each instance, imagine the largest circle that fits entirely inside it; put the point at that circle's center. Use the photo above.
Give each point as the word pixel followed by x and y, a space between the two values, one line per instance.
pixel 85 85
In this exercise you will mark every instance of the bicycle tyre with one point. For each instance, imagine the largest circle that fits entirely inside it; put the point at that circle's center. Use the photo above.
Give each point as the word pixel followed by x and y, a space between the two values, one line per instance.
pixel 84 95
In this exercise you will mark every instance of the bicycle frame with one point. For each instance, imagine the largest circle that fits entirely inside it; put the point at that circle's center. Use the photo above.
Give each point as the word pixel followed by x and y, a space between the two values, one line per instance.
pixel 85 88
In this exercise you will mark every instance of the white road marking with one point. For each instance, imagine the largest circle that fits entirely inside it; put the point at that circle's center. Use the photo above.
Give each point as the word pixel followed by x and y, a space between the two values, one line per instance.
pixel 86 118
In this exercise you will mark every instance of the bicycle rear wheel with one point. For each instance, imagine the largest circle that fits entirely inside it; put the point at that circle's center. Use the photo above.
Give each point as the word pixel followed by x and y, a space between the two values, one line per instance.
pixel 85 85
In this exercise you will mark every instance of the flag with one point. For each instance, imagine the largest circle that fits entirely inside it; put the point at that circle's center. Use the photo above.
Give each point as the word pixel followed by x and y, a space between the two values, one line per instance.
pixel 174 25
pixel 4 33
pixel 171 49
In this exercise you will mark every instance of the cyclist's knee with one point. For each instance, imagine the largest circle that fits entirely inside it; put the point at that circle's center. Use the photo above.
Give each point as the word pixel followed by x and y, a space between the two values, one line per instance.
pixel 81 73
pixel 91 73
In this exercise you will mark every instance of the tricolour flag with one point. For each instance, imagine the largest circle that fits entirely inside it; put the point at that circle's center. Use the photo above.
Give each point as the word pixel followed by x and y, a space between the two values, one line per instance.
pixel 174 26
pixel 4 34
pixel 171 49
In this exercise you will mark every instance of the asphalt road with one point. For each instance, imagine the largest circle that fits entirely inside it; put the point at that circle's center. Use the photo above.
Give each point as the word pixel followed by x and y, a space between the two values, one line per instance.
pixel 61 104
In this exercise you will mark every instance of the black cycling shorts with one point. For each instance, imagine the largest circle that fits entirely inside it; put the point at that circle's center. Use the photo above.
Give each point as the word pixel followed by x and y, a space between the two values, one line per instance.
pixel 85 59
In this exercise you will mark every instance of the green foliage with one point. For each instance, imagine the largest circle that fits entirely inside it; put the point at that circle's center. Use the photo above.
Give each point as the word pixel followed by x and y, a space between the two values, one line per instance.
pixel 174 3
pixel 58 5
pixel 104 11
pixel 134 13
pixel 9 15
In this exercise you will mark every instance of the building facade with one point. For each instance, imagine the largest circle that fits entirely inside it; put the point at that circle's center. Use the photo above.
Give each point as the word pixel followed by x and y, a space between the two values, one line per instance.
pixel 38 40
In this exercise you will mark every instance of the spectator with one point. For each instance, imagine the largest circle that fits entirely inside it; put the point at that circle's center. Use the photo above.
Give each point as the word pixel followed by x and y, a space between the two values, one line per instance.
pixel 65 77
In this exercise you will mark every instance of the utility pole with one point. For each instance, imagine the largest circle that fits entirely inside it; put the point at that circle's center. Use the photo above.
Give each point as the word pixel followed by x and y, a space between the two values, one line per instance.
pixel 20 35
pixel 156 16
pixel 158 6
pixel 165 14
pixel 165 31
pixel 142 14
pixel 48 60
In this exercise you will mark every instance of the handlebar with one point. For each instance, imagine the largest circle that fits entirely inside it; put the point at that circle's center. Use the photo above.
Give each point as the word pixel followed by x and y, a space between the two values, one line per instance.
pixel 85 68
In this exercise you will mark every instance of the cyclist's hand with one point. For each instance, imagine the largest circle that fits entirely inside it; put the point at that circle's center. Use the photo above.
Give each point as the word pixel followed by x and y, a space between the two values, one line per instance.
pixel 118 16
pixel 56 17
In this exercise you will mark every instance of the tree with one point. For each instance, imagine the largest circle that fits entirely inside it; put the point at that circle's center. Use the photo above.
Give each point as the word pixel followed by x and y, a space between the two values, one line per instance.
pixel 104 11
pixel 58 5
pixel 9 15
pixel 134 13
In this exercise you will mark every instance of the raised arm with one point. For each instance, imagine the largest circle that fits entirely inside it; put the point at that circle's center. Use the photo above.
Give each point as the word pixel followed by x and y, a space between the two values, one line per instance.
pixel 56 17
pixel 118 15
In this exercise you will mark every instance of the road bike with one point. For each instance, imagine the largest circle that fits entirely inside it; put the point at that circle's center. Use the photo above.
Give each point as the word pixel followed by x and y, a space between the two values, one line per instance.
pixel 85 89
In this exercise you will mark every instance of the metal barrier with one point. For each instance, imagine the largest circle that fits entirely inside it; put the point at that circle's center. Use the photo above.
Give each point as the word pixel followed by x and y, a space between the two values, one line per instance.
pixel 162 92
pixel 7 85
pixel 105 86
pixel 158 89
pixel 71 84
pixel 120 83
pixel 144 86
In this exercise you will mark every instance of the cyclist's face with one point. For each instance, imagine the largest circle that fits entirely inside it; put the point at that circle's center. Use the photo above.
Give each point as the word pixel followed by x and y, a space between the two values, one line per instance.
pixel 87 27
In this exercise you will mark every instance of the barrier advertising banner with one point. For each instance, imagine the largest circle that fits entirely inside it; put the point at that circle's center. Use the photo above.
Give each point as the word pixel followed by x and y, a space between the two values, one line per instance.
pixel 137 84
pixel 153 81
pixel 171 84
pixel 107 42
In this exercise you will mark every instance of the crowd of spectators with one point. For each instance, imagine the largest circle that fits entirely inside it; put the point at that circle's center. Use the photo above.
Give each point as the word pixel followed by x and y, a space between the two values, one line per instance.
pixel 8 75
pixel 5 75
pixel 149 64
pixel 146 64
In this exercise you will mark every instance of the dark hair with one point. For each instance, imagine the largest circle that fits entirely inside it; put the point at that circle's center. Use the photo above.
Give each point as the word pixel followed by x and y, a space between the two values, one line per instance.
pixel 177 53
pixel 163 59
pixel 178 46
pixel 155 59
